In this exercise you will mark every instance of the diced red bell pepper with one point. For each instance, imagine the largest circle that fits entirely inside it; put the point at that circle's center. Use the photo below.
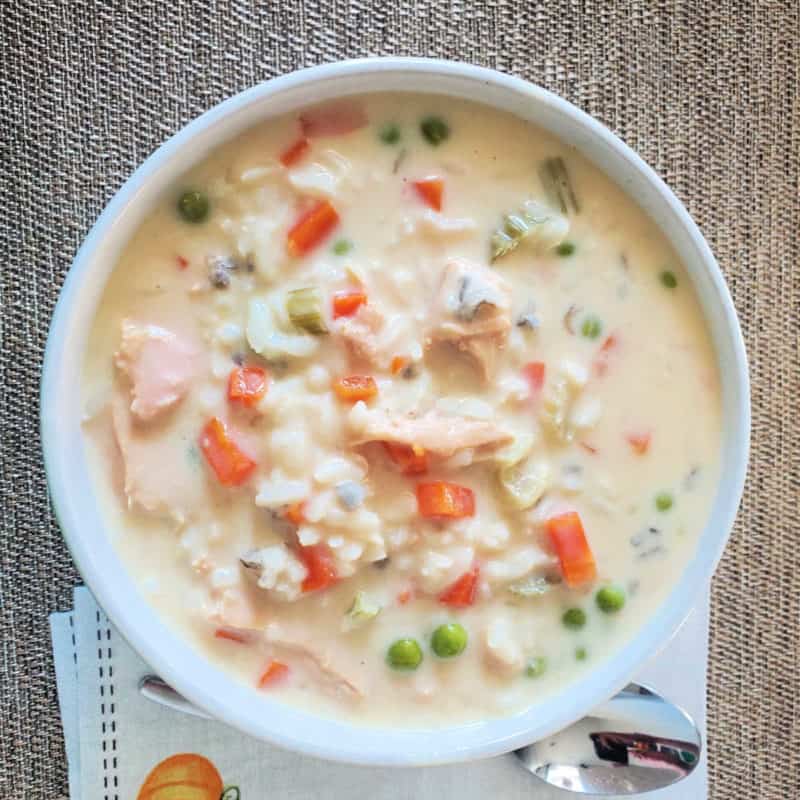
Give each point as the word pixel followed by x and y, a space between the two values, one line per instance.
pixel 445 500
pixel 573 551
pixel 534 373
pixel 247 385
pixel 430 191
pixel 232 635
pixel 320 566
pixel 355 387
pixel 183 262
pixel 640 441
pixel 275 672
pixel 412 459
pixel 345 304
pixel 311 229
pixel 463 592
pixel 231 465
pixel 294 152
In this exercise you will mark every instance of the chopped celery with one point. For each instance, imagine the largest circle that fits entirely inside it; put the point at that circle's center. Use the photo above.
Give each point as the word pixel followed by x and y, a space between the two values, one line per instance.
pixel 305 310
pixel 265 332
pixel 525 482
pixel 362 610
pixel 532 586
pixel 557 185
pixel 533 222
pixel 520 446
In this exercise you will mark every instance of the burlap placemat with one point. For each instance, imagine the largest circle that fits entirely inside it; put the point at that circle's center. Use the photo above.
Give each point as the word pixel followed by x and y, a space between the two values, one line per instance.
pixel 707 93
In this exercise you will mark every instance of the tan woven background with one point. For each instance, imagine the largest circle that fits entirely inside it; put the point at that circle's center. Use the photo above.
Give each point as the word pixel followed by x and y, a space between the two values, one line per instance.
pixel 707 93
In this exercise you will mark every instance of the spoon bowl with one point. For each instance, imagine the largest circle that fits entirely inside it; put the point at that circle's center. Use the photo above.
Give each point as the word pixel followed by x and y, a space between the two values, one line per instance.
pixel 635 742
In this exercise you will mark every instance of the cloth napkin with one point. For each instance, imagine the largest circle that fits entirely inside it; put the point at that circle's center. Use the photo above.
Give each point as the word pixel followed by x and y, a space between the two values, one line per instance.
pixel 116 740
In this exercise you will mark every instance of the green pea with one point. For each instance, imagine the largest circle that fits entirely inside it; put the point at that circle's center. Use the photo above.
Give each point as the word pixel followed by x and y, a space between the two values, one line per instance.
pixel 591 327
pixel 536 667
pixel 342 247
pixel 574 618
pixel 193 206
pixel 389 133
pixel 581 654
pixel 434 130
pixel 404 654
pixel 664 501
pixel 565 249
pixel 668 279
pixel 449 640
pixel 610 599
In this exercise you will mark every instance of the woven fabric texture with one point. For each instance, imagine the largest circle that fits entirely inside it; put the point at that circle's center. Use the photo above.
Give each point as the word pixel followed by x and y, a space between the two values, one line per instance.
pixel 707 93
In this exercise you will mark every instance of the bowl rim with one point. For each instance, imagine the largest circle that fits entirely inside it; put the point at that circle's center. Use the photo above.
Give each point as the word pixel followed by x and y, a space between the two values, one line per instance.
pixel 292 728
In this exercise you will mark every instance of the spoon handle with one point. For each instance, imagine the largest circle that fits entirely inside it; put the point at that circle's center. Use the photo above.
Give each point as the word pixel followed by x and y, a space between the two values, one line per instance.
pixel 157 690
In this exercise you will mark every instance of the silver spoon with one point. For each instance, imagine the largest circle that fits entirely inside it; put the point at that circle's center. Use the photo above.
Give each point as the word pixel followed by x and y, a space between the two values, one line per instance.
pixel 605 753
pixel 635 742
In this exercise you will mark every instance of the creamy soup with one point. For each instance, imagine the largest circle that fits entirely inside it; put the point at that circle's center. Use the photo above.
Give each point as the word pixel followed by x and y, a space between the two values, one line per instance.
pixel 402 412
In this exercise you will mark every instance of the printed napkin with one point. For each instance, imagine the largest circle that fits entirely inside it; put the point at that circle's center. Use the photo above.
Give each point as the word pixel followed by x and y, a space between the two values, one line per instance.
pixel 122 746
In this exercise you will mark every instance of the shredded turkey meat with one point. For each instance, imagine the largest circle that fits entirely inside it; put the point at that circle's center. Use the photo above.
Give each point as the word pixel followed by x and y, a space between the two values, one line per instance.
pixel 437 433
pixel 471 311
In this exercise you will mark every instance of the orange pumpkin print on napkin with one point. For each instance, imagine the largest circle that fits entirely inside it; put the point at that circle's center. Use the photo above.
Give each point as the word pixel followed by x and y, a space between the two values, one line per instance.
pixel 185 776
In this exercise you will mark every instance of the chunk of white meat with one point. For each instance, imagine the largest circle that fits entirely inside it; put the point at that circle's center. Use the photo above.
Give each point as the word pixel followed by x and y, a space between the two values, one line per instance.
pixel 277 570
pixel 361 332
pixel 502 651
pixel 296 652
pixel 159 365
pixel 371 337
pixel 321 662
pixel 471 311
pixel 436 433
pixel 158 475
pixel 468 406
pixel 231 608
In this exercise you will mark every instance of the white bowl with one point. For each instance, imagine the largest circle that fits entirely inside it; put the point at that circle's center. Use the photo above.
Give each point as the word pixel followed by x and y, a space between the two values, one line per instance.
pixel 71 486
